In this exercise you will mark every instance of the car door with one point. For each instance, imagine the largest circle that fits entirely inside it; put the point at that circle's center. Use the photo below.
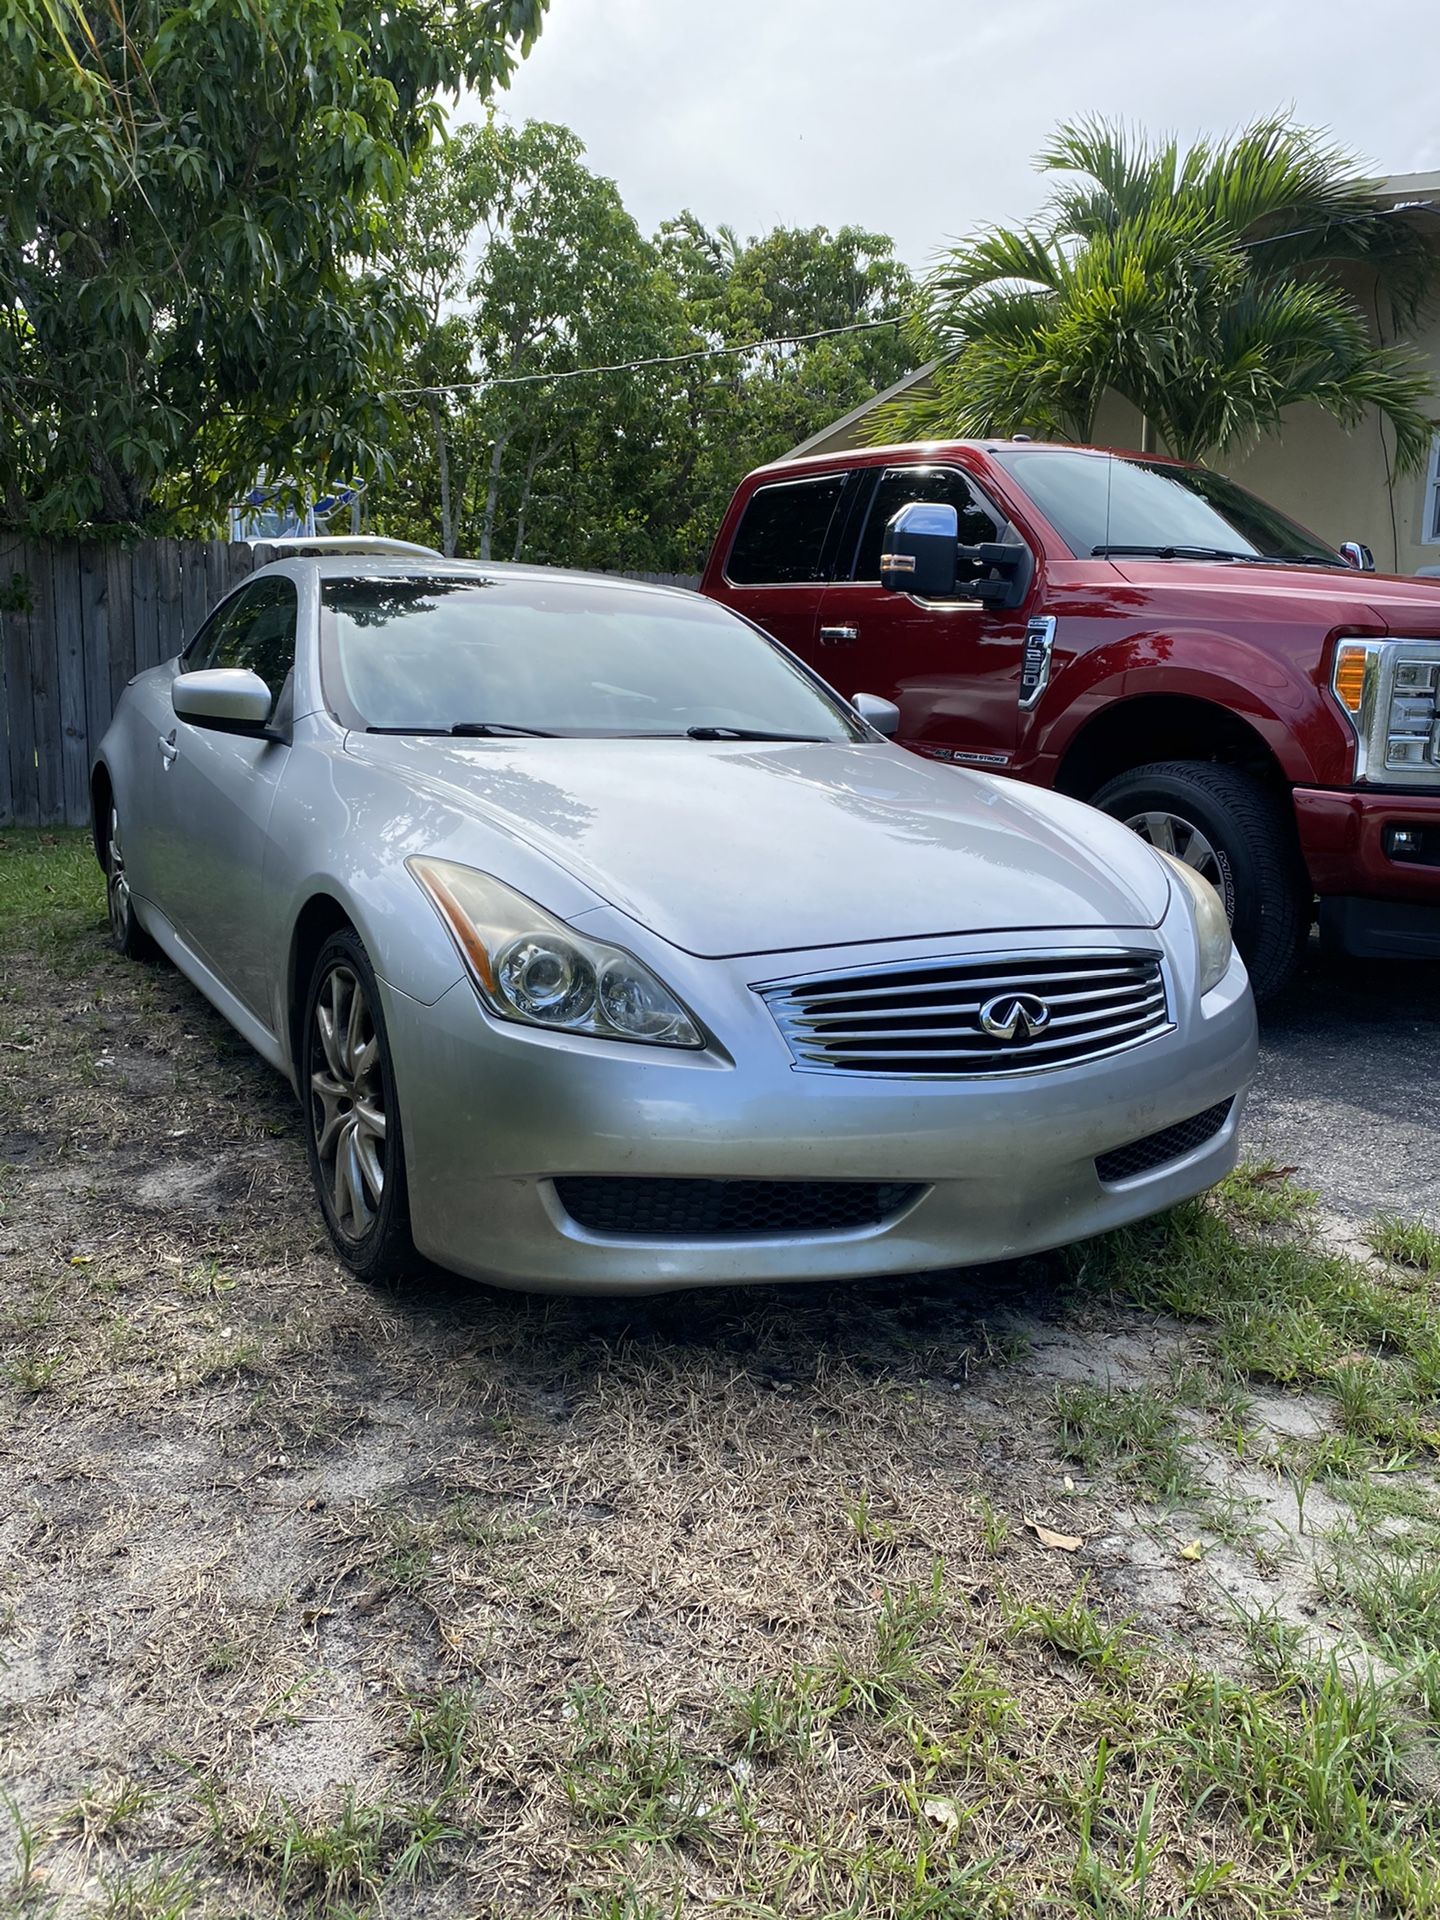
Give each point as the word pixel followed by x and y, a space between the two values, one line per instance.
pixel 218 792
pixel 952 666
pixel 782 555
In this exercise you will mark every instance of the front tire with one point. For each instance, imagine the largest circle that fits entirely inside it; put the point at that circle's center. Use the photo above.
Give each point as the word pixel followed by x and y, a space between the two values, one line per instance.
pixel 352 1136
pixel 1240 836
pixel 127 936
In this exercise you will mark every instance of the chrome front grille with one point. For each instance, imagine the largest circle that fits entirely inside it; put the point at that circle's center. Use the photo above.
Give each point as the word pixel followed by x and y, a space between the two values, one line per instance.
pixel 925 1017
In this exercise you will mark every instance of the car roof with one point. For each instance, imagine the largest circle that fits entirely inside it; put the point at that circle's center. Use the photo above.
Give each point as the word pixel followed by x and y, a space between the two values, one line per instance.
pixel 419 566
pixel 927 450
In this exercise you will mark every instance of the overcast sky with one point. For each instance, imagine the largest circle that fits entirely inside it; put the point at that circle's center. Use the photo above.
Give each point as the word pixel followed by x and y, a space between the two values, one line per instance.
pixel 920 118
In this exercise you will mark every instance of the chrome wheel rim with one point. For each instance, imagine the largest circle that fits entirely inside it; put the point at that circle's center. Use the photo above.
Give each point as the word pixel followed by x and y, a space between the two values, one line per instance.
pixel 117 884
pixel 1172 833
pixel 347 1102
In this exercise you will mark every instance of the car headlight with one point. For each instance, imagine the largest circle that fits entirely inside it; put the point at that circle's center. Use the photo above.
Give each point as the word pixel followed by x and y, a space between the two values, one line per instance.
pixel 529 966
pixel 1212 929
pixel 1390 693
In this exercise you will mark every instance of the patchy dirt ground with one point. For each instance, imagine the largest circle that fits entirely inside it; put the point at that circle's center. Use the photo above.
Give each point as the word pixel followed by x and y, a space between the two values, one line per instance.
pixel 1059 1589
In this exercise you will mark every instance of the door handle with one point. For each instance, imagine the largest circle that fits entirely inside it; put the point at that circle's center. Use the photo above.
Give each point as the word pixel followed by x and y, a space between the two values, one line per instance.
pixel 838 636
pixel 169 752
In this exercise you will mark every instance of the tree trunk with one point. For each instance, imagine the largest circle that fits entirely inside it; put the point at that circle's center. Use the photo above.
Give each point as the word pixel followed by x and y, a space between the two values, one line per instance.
pixel 442 457
pixel 537 459
pixel 492 497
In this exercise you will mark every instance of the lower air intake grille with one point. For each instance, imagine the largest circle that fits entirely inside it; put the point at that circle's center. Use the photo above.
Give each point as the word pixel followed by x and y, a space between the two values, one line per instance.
pixel 1143 1156
pixel 987 1014
pixel 728 1209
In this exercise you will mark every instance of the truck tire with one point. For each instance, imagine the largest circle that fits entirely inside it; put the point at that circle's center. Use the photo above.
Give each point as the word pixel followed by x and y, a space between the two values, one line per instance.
pixel 1240 836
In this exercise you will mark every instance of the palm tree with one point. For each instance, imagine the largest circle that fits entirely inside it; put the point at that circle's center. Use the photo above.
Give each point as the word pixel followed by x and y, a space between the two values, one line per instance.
pixel 1207 287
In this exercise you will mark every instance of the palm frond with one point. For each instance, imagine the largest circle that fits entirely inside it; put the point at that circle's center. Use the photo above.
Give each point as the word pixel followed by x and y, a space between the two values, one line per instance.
pixel 1198 284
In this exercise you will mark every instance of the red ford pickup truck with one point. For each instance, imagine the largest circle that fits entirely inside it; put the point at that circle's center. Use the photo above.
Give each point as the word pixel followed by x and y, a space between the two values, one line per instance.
pixel 1139 633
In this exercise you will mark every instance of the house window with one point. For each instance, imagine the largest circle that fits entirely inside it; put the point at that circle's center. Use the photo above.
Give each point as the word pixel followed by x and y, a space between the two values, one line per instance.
pixel 1431 533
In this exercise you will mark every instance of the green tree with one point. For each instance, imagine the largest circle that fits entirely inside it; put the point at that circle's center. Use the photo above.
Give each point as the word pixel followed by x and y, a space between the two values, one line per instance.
pixel 1211 288
pixel 533 274
pixel 737 412
pixel 190 230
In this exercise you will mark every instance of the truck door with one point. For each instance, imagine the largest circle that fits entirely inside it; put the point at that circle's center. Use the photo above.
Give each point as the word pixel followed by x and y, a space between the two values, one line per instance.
pixel 783 553
pixel 952 667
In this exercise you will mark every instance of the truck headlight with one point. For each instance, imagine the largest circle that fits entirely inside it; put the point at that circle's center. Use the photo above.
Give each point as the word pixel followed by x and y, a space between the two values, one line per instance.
pixel 1212 929
pixel 528 966
pixel 1390 692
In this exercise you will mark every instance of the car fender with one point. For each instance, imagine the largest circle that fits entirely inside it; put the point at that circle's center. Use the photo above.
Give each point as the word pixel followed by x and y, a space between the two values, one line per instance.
pixel 1281 704
pixel 343 804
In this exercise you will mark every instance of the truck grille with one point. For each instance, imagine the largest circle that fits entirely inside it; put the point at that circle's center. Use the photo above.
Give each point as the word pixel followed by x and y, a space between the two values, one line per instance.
pixel 728 1209
pixel 929 1016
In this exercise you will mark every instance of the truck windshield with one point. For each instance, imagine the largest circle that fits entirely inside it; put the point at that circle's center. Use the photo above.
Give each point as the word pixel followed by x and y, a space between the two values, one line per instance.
pixel 1117 504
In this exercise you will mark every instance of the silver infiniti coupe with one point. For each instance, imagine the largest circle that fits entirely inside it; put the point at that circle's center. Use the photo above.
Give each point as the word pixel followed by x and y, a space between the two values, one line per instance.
pixel 608 949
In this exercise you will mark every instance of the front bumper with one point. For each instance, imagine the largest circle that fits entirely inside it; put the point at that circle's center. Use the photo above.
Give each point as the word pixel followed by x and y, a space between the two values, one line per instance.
pixel 1372 904
pixel 495 1113
pixel 1343 839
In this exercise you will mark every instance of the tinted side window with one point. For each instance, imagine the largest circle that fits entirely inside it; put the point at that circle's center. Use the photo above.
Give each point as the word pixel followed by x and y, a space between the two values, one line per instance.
pixel 782 533
pixel 256 631
pixel 898 487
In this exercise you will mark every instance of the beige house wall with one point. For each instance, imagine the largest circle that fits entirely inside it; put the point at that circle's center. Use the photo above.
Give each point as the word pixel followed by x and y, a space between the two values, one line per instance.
pixel 1338 481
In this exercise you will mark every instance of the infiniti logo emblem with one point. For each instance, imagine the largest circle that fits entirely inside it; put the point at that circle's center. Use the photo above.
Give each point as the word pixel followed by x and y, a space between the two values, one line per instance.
pixel 1014 1016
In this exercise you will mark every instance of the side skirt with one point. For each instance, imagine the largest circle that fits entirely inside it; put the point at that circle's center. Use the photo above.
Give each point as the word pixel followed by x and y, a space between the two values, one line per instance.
pixel 259 1036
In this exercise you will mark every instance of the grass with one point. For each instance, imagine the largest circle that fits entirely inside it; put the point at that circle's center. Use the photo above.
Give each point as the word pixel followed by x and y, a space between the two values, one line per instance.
pixel 52 893
pixel 1261 1194
pixel 351 1856
pixel 1286 1312
pixel 1077 1631
pixel 444 1601
pixel 1396 1591
pixel 1134 1431
pixel 632 1778
pixel 1405 1243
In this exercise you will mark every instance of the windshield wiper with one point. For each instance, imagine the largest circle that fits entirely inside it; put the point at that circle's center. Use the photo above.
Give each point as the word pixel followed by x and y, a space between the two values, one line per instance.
pixel 469 729
pixel 745 733
pixel 1169 553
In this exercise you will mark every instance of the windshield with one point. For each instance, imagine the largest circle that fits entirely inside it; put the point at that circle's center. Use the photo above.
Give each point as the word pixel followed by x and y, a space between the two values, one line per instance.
pixel 428 654
pixel 1099 503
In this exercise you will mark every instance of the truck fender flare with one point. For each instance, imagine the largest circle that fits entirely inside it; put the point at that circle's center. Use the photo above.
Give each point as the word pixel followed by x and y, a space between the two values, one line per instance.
pixel 1272 701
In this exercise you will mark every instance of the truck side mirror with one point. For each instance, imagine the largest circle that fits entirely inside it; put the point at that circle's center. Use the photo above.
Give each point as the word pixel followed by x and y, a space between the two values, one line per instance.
pixel 1354 554
pixel 919 554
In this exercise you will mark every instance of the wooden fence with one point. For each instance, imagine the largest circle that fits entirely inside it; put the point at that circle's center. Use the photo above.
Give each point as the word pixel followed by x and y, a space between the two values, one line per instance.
pixel 77 619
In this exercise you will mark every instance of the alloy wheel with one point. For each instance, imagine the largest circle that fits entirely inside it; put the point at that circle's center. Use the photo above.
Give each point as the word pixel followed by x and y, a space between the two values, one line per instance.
pixel 1172 833
pixel 117 883
pixel 347 1101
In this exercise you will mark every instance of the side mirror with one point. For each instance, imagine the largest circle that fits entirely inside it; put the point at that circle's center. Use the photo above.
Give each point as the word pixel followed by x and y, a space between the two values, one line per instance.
pixel 230 699
pixel 883 715
pixel 1358 556
pixel 919 552
pixel 922 555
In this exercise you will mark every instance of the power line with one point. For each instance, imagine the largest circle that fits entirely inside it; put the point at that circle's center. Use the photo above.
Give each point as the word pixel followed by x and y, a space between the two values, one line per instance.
pixel 655 360
pixel 798 339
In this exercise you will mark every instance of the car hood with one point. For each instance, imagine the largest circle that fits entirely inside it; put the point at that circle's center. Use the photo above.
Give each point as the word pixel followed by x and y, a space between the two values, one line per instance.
pixel 1332 597
pixel 727 848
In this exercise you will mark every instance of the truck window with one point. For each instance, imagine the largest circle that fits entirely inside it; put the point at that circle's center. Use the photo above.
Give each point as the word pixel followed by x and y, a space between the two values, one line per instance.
pixel 782 533
pixel 898 487
pixel 1098 500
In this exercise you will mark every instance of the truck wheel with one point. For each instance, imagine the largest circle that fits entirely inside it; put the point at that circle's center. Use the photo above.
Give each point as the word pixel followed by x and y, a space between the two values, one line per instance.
pixel 1240 836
